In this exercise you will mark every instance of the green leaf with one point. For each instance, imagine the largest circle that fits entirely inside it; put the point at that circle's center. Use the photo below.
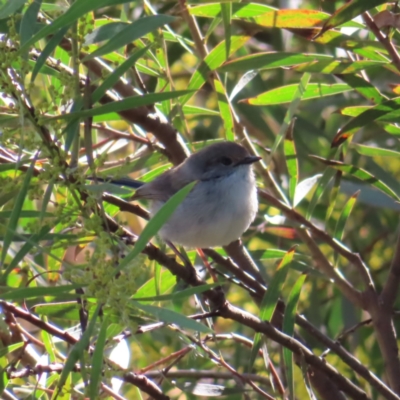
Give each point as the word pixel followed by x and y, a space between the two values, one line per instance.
pixel 113 78
pixel 97 362
pixel 226 11
pixel 268 17
pixel 372 151
pixel 225 111
pixel 365 88
pixel 349 11
pixel 344 216
pixel 338 66
pixel 182 294
pixel 167 281
pixel 19 201
pixel 284 94
pixel 172 317
pixel 125 104
pixel 304 187
pixel 77 351
pixel 194 110
pixel 270 60
pixel 290 113
pixel 32 242
pixel 270 299
pixel 9 349
pixel 45 53
pixel 379 112
pixel 213 60
pixel 289 148
pixel 105 32
pixel 295 19
pixel 10 8
pixel 73 13
pixel 29 21
pixel 25 214
pixel 155 224
pixel 32 292
pixel 243 10
pixel 288 328
pixel 360 174
pixel 132 32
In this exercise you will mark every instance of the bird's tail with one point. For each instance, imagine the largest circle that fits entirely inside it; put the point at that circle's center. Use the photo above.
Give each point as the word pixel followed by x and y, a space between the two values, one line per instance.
pixel 127 182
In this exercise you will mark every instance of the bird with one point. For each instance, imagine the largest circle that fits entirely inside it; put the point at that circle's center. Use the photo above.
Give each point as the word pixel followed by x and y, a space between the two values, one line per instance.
pixel 220 207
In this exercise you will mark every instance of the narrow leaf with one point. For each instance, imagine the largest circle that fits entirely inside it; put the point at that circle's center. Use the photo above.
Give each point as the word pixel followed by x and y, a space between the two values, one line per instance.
pixel 290 113
pixel 97 362
pixel 270 299
pixel 113 78
pixel 172 317
pixel 349 11
pixel 284 94
pixel 344 216
pixel 125 104
pixel 132 32
pixel 372 151
pixel 360 174
pixel 19 201
pixel 182 294
pixel 289 148
pixel 75 11
pixel 288 328
pixel 225 111
pixel 155 224
pixel 380 111
pixel 50 46
pixel 29 21
pixel 304 187
pixel 10 7
pixel 32 292
pixel 270 60
pixel 213 60
pixel 226 11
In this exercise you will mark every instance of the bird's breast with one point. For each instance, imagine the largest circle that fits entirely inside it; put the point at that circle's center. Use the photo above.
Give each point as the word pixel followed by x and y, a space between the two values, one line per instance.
pixel 215 213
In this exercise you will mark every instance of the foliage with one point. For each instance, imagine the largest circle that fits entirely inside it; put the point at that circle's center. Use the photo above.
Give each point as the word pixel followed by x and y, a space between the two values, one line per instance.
pixel 93 305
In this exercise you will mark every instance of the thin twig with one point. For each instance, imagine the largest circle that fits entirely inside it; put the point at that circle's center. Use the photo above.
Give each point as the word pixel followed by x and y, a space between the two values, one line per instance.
pixel 391 288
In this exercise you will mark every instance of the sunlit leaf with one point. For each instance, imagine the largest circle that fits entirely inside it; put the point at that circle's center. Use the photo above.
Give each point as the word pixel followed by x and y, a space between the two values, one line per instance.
pixel 284 94
pixel 270 299
pixel 288 328
pixel 360 174
pixel 172 317
pixel 349 11
pixel 132 32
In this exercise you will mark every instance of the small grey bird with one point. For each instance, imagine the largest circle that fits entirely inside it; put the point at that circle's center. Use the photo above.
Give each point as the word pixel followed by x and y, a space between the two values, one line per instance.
pixel 222 204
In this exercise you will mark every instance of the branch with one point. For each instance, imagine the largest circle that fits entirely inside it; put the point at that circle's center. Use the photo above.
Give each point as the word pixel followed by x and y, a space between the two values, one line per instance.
pixel 382 39
pixel 140 381
pixel 348 358
pixel 391 288
pixel 266 328
pixel 293 215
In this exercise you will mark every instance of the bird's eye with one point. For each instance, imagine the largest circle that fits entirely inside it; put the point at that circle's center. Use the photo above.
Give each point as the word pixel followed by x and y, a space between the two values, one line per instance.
pixel 225 161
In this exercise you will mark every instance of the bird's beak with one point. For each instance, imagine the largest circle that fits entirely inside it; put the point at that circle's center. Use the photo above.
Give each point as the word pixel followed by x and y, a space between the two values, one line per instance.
pixel 248 160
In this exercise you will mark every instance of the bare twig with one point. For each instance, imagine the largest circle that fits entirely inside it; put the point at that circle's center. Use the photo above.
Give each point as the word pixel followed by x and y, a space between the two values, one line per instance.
pixel 391 288
pixel 293 215
pixel 383 39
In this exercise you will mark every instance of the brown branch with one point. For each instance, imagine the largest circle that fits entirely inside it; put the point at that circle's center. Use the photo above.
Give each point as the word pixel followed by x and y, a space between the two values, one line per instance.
pixel 140 381
pixel 384 40
pixel 266 328
pixel 293 215
pixel 348 358
pixel 391 288
pixel 322 263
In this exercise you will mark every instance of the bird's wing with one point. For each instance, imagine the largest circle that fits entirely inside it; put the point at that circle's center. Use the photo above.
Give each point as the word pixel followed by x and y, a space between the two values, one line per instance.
pixel 163 187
